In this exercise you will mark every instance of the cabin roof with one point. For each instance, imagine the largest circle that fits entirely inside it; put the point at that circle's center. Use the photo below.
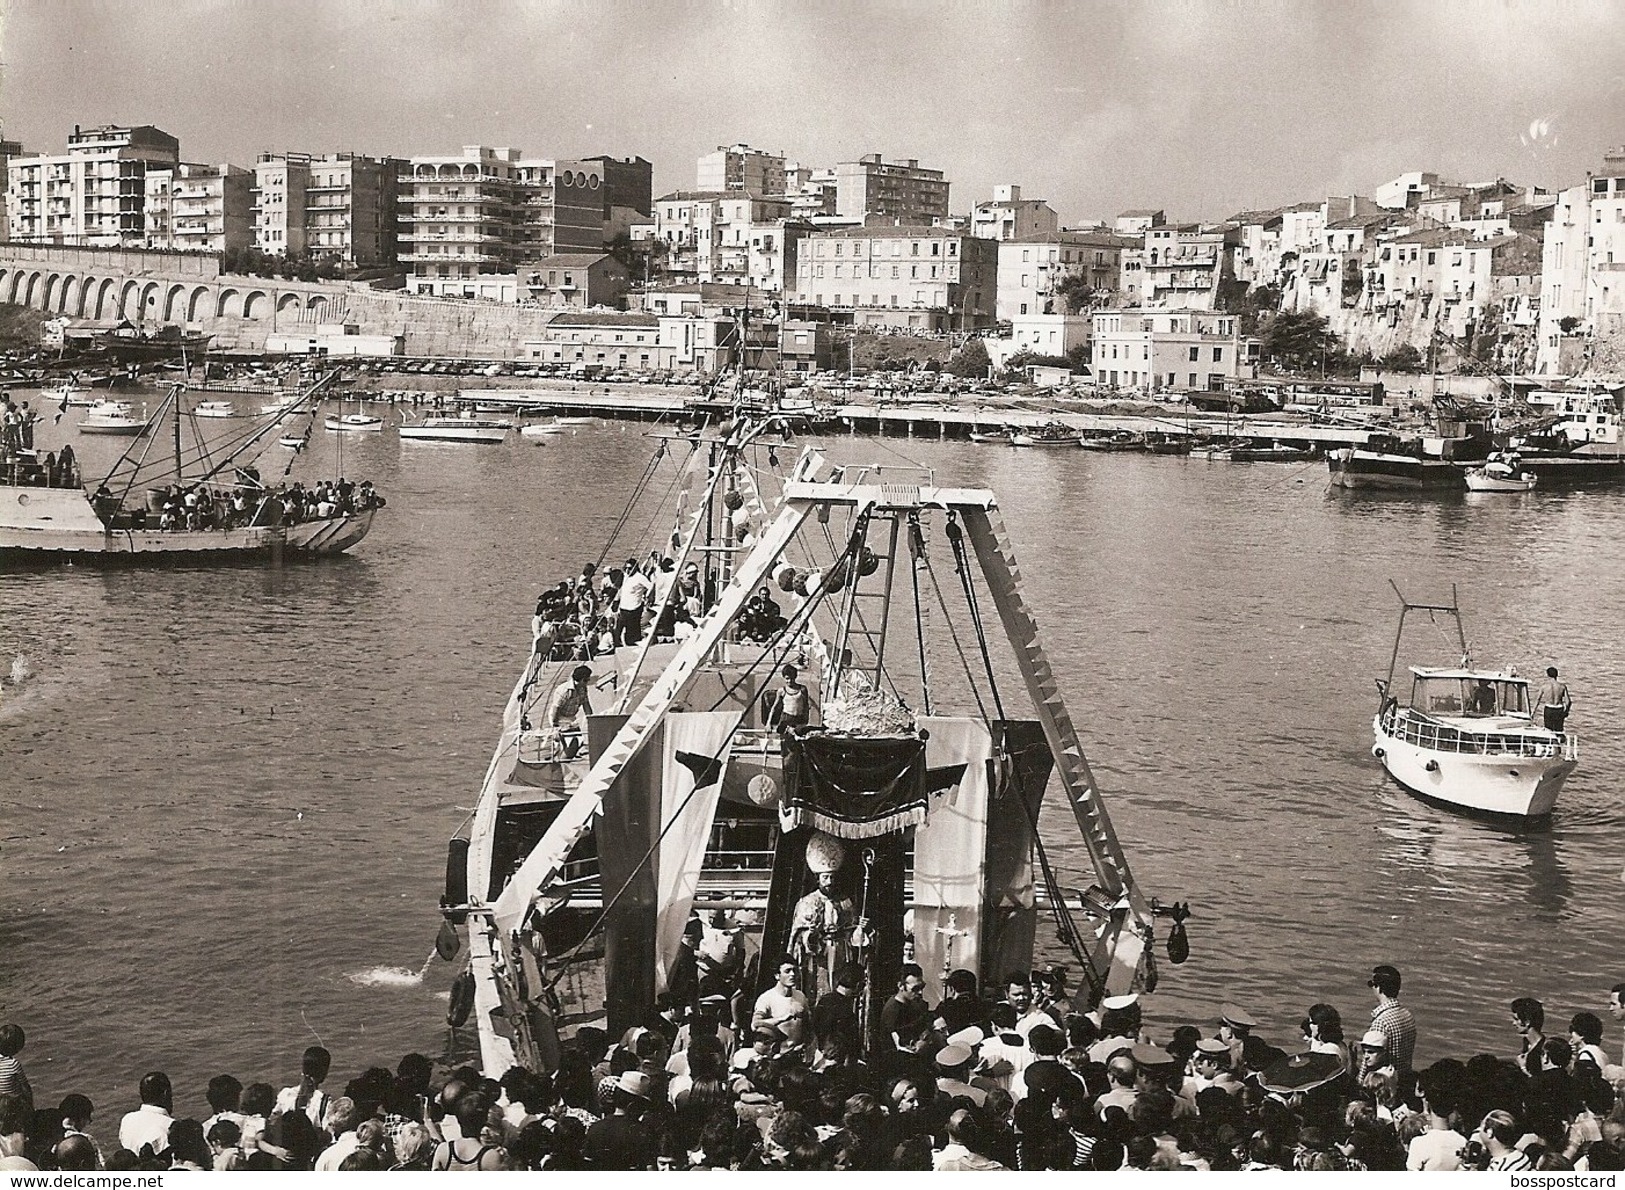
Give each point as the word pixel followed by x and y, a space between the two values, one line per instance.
pixel 1488 675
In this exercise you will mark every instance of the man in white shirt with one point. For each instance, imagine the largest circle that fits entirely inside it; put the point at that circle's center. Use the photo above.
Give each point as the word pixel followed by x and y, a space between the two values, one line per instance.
pixel 148 1125
pixel 313 1069
pixel 781 1001
pixel 635 591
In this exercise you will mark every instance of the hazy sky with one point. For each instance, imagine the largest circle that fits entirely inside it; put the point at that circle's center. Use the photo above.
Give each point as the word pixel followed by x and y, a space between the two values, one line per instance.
pixel 1200 107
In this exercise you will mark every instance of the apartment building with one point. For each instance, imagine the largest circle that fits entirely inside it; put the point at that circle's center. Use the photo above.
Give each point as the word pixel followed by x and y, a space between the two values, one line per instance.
pixel 1034 272
pixel 492 211
pixel 636 342
pixel 342 205
pixel 1010 217
pixel 911 278
pixel 728 236
pixel 740 167
pixel 898 192
pixel 1186 267
pixel 8 150
pixel 281 181
pixel 199 208
pixel 1582 305
pixel 577 280
pixel 1168 350
pixel 94 195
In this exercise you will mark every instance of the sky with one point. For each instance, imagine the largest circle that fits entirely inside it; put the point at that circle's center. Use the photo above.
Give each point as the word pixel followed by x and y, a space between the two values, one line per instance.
pixel 1200 108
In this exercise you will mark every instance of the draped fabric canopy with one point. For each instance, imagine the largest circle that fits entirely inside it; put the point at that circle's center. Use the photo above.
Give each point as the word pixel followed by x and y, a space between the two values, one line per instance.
pixel 854 787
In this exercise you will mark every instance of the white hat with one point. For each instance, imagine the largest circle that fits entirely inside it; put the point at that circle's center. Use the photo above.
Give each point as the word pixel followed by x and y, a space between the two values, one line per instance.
pixel 1118 1003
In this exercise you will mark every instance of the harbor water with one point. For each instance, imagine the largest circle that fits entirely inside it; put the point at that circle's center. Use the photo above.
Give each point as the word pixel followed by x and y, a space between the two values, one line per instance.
pixel 225 794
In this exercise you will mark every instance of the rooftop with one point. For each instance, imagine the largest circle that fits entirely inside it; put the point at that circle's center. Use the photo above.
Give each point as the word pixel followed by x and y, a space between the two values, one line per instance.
pixel 569 260
pixel 604 318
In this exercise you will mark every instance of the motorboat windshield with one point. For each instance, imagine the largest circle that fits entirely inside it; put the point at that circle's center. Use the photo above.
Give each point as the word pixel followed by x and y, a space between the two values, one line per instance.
pixel 1469 694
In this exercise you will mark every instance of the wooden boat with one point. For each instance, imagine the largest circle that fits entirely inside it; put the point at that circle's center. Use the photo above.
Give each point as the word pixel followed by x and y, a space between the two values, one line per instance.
pixel 214 409
pixel 1501 473
pixel 1467 738
pixel 457 428
pixel 684 807
pixel 353 423
pixel 1052 435
pixel 998 436
pixel 46 514
pixel 1123 440
pixel 112 417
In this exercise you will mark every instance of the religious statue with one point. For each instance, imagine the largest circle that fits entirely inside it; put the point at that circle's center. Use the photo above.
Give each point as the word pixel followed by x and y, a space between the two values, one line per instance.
pixel 826 931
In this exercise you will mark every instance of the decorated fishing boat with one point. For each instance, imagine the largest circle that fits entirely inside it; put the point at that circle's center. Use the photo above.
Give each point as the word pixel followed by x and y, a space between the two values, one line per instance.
pixel 1467 737
pixel 684 814
pixel 201 502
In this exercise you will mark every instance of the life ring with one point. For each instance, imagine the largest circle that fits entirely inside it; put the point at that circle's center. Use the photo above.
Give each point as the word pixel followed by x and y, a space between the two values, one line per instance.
pixel 462 1000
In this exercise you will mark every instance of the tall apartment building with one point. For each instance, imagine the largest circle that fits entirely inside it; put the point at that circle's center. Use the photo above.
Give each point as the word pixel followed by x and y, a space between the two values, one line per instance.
pixel 8 150
pixel 341 205
pixel 740 167
pixel 628 192
pixel 1034 272
pixel 491 210
pixel 94 195
pixel 897 192
pixel 1583 276
pixel 911 278
pixel 199 208
pixel 728 236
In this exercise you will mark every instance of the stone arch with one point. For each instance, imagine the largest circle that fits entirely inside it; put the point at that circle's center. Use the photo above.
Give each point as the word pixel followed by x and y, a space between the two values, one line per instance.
pixel 30 289
pixel 223 307
pixel 48 294
pixel 257 304
pixel 107 299
pixel 195 308
pixel 7 279
pixel 289 304
pixel 174 303
pixel 68 295
pixel 129 299
pixel 317 306
pixel 150 303
pixel 87 286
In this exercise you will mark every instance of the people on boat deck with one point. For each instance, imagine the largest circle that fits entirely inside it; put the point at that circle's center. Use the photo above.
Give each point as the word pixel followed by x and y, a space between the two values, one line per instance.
pixel 1554 700
pixel 570 704
pixel 791 706
pixel 1482 699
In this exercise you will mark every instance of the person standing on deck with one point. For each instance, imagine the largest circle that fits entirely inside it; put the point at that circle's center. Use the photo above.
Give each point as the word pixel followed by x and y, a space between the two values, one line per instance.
pixel 1554 700
pixel 567 707
pixel 634 594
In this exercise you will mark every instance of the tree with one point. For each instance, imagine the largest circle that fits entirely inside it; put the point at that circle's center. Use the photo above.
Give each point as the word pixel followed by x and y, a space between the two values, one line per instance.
pixel 970 361
pixel 1404 358
pixel 1568 324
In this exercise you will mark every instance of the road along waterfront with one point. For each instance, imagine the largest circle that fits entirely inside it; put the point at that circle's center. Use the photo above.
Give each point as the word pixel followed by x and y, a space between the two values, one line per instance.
pixel 225 793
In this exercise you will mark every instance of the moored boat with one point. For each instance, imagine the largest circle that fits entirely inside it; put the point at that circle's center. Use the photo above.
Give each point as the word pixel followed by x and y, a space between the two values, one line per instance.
pixel 644 795
pixel 112 417
pixel 214 409
pixel 1501 473
pixel 1053 434
pixel 1122 440
pixel 457 428
pixel 353 423
pixel 1467 738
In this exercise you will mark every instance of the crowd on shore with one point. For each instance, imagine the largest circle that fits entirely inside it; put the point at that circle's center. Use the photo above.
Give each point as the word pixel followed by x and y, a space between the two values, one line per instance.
pixel 1020 1081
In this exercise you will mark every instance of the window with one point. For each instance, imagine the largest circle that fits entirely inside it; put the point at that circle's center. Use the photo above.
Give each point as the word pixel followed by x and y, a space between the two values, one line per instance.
pixel 1193 379
pixel 1024 280
pixel 1194 351
pixel 1023 307
pixel 914 248
pixel 1218 355
pixel 1026 256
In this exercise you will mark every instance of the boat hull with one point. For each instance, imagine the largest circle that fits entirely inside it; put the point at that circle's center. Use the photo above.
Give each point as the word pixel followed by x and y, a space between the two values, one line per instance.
pixel 1508 785
pixel 474 435
pixel 1370 469
pixel 369 425
pixel 57 525
pixel 1478 482
pixel 128 429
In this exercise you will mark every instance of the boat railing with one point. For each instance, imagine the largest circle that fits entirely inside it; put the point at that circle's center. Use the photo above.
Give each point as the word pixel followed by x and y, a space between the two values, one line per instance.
pixel 1444 737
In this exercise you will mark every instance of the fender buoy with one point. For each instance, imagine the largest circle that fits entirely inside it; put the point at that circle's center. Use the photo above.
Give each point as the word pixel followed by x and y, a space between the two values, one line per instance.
pixel 462 1000
pixel 1379 753
pixel 446 942
pixel 1179 946
pixel 1433 766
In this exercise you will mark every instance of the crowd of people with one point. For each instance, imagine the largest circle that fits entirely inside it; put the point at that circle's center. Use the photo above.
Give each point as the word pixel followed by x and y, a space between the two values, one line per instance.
pixel 246 503
pixel 1014 1080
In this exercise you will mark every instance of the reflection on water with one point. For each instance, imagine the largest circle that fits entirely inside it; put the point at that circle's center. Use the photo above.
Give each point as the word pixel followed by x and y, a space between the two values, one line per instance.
pixel 226 792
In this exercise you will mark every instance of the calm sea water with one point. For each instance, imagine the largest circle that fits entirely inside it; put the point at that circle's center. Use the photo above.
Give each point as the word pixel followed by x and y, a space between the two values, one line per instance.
pixel 225 794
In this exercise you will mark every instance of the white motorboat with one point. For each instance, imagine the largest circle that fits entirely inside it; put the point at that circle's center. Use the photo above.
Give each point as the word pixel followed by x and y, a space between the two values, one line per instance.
pixel 1501 473
pixel 277 406
pixel 353 423
pixel 543 429
pixel 458 428
pixel 1467 738
pixel 214 409
pixel 111 417
pixel 291 443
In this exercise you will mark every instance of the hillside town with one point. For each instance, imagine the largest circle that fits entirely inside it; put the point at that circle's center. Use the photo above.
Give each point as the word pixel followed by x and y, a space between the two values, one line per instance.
pixel 494 253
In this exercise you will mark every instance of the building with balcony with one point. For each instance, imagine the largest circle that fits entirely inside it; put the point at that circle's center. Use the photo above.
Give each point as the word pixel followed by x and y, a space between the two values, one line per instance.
pixel 633 342
pixel 910 278
pixel 1582 294
pixel 281 181
pixel 199 208
pixel 575 280
pixel 491 210
pixel 897 192
pixel 1168 350
pixel 1186 267
pixel 1011 217
pixel 728 236
pixel 740 167
pixel 1036 273
pixel 94 195
pixel 8 150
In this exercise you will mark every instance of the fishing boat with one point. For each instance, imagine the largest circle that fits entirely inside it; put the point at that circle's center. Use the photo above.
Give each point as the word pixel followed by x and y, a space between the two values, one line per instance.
pixel 681 805
pixel 112 417
pixel 1461 439
pixel 127 343
pixel 1467 737
pixel 214 409
pixel 1500 473
pixel 997 436
pixel 134 514
pixel 1159 443
pixel 1274 452
pixel 1053 434
pixel 353 423
pixel 460 427
pixel 1122 440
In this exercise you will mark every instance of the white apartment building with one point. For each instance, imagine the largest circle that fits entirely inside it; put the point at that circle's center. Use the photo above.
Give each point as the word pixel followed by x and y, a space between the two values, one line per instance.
pixel 1033 271
pixel 94 195
pixel 898 192
pixel 1010 217
pixel 1583 274
pixel 199 208
pixel 911 278
pixel 728 236
pixel 1166 350
pixel 740 167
